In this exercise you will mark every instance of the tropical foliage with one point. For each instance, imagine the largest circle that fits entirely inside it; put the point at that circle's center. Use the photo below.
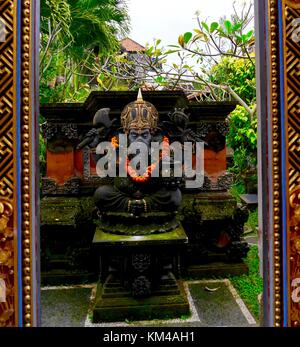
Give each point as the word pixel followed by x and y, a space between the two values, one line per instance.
pixel 73 34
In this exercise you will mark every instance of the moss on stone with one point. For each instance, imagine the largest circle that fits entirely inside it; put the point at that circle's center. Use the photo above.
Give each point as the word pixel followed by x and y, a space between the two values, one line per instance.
pixel 209 207
pixel 65 211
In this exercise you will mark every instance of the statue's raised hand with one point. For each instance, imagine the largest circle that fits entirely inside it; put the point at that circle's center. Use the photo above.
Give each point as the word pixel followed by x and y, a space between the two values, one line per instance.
pixel 102 126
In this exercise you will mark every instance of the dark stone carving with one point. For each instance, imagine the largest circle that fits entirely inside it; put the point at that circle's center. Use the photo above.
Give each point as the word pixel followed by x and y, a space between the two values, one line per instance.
pixel 214 134
pixel 141 262
pixel 203 128
pixel 86 164
pixel 51 187
pixel 237 250
pixel 141 287
pixel 179 117
pixel 204 120
pixel 225 181
pixel 49 130
pixel 67 130
pixel 240 217
pixel 215 228
pixel 87 176
pixel 70 131
pixel 206 185
pixel 139 204
pixel 66 233
pixel 222 128
pixel 215 141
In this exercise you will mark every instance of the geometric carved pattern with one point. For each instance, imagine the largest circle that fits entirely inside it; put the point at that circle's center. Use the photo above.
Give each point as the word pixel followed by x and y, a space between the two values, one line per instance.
pixel 6 99
pixel 292 56
pixel 293 100
pixel 7 308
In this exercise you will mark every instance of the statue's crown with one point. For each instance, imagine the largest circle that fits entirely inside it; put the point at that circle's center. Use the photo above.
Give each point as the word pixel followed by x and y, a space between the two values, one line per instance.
pixel 139 115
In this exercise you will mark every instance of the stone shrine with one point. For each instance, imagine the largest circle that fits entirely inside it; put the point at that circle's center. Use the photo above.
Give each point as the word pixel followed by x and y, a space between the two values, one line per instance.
pixel 195 233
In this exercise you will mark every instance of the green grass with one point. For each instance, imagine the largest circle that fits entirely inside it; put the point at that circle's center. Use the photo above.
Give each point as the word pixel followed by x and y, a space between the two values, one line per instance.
pixel 251 285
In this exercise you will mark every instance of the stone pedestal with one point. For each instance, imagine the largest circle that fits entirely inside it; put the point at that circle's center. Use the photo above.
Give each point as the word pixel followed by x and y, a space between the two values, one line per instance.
pixel 66 235
pixel 214 223
pixel 138 276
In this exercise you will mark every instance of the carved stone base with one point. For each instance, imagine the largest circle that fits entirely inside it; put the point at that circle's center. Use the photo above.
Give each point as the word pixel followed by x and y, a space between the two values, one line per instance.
pixel 137 276
pixel 114 303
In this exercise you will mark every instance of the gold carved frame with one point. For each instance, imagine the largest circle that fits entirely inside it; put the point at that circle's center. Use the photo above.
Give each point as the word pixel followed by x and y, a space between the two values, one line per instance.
pixel 278 71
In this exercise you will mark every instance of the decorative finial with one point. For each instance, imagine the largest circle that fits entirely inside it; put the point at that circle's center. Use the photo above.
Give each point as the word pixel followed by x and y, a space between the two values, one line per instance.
pixel 140 96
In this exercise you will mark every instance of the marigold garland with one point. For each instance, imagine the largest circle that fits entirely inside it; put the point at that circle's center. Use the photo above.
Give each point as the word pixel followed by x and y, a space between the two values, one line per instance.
pixel 146 176
pixel 114 142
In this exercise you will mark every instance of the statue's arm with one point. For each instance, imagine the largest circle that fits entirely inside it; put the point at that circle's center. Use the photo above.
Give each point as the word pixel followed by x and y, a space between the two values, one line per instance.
pixel 91 139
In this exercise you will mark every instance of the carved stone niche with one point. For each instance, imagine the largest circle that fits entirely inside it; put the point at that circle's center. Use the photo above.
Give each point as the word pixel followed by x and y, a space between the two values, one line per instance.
pixel 209 122
pixel 61 176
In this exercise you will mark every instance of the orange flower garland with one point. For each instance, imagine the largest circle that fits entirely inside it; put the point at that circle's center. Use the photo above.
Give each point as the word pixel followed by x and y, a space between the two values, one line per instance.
pixel 140 179
pixel 146 176
pixel 114 142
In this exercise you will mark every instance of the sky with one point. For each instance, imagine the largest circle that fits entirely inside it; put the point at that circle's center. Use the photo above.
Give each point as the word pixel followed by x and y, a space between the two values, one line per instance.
pixel 167 19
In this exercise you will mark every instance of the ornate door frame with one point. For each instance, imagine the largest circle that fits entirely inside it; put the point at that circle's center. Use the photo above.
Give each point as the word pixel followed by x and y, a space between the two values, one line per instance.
pixel 278 70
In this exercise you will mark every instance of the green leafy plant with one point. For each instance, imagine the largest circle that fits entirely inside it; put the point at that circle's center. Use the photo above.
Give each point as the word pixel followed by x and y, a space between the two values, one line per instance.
pixel 74 33
pixel 242 138
pixel 239 74
pixel 252 222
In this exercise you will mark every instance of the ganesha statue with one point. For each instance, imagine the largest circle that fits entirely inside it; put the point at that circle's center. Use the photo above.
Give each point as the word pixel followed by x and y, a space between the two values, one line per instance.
pixel 145 193
pixel 139 237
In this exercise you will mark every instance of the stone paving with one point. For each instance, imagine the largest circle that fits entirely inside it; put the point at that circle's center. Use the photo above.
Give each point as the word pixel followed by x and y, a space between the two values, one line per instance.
pixel 213 303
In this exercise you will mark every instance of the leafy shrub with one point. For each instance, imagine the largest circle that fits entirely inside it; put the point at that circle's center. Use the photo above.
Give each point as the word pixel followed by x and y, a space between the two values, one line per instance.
pixel 239 74
pixel 242 138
